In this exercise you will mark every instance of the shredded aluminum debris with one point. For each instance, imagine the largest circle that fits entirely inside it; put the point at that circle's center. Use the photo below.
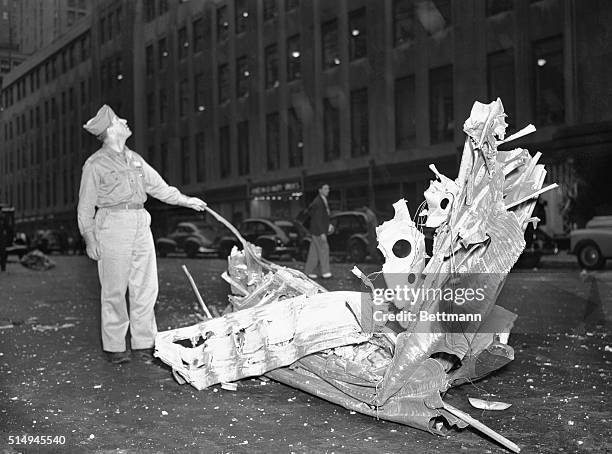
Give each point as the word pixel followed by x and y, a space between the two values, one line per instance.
pixel 394 351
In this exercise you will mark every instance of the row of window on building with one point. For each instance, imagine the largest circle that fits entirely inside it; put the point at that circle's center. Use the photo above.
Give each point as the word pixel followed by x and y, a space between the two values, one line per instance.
pixel 73 15
pixel 78 51
pixel 549 106
pixel 357 42
pixel 549 86
pixel 273 124
pixel 404 11
pixel 154 9
pixel 43 191
pixel 243 167
pixel 47 111
pixel 549 109
pixel 110 24
pixel 39 150
pixel 330 51
pixel 6 64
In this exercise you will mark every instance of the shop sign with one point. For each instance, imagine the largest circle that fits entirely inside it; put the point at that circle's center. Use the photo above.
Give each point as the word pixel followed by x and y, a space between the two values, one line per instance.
pixel 288 187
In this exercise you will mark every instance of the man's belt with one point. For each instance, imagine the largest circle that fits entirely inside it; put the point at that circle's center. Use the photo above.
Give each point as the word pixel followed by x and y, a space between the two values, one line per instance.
pixel 127 206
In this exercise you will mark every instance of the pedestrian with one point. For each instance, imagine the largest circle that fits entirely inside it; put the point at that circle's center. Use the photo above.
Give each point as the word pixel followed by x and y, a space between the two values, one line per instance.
pixel 318 252
pixel 5 234
pixel 116 181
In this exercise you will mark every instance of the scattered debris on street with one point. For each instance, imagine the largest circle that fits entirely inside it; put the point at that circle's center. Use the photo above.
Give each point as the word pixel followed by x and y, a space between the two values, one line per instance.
pixel 55 327
pixel 37 261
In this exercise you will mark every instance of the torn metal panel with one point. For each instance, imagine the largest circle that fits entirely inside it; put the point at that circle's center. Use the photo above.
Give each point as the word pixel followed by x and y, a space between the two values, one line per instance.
pixel 440 198
pixel 403 247
pixel 253 284
pixel 253 341
pixel 245 270
pixel 419 405
pixel 275 286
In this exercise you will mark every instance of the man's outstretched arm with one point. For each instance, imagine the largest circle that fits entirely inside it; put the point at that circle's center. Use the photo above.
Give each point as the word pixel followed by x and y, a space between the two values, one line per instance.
pixel 158 188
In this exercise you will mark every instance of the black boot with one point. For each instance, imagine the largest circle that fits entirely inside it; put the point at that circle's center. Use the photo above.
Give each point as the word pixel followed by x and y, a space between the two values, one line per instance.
pixel 118 357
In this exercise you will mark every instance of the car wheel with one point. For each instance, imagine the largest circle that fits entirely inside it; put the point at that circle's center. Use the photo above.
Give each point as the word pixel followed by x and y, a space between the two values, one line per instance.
pixel 192 250
pixel 356 251
pixel 590 257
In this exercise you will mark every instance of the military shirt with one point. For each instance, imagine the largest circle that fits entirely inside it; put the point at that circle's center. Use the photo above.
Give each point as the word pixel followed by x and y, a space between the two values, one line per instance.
pixel 110 178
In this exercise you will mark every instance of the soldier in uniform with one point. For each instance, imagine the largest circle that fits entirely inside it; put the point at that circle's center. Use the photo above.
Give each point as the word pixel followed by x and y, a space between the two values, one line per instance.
pixel 116 181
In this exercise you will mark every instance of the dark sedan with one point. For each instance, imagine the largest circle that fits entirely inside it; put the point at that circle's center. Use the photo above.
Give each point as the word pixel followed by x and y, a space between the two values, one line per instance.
pixel 276 237
pixel 193 238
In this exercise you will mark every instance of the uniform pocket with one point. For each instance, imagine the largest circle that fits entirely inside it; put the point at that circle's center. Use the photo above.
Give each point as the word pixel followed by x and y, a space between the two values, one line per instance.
pixel 115 186
pixel 110 179
pixel 102 219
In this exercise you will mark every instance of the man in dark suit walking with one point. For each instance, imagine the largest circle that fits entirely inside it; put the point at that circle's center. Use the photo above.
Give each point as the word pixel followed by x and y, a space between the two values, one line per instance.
pixel 318 253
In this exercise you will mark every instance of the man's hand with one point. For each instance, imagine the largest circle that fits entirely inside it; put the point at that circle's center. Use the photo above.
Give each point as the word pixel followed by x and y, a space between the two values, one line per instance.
pixel 92 247
pixel 195 204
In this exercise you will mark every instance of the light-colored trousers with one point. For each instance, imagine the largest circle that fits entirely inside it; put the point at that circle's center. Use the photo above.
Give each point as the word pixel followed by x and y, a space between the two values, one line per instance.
pixel 318 254
pixel 127 261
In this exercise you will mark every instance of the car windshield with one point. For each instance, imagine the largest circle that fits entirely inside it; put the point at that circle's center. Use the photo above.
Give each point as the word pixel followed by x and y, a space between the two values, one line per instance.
pixel 600 222
pixel 203 227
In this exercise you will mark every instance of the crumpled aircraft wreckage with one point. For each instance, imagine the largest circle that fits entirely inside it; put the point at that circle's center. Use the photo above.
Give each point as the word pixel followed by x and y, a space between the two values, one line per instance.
pixel 381 358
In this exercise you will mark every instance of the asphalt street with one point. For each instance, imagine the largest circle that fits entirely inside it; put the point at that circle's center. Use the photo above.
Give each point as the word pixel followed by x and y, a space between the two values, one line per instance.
pixel 56 385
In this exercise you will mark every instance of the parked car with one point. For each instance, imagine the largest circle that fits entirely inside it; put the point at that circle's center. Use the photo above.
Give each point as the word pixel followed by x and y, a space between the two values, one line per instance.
pixel 353 237
pixel 276 237
pixel 192 238
pixel 593 244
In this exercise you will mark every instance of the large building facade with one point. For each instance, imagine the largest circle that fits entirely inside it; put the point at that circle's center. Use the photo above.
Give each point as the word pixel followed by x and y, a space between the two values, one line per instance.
pixel 10 56
pixel 29 25
pixel 46 100
pixel 40 22
pixel 253 103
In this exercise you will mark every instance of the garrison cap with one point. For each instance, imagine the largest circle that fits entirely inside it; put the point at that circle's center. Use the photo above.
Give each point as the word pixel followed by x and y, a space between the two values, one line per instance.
pixel 103 119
